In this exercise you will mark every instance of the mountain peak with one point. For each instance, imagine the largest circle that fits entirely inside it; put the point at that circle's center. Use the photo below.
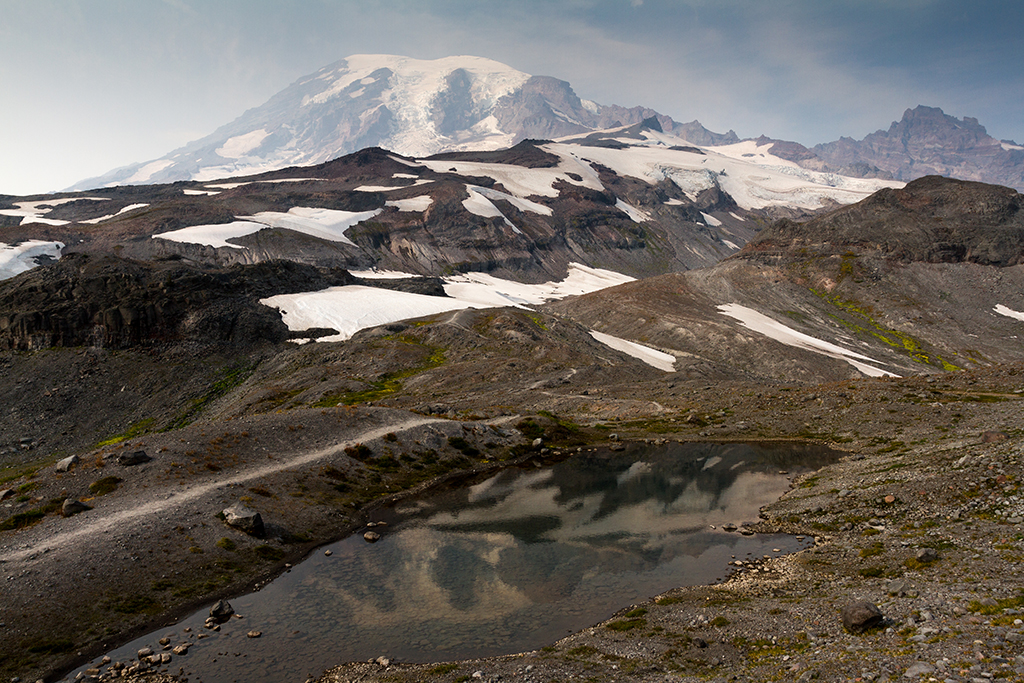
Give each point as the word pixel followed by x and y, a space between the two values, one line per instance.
pixel 927 141
pixel 416 107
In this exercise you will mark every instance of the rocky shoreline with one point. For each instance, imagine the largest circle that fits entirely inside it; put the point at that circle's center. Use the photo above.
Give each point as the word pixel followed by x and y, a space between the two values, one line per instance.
pixel 935 544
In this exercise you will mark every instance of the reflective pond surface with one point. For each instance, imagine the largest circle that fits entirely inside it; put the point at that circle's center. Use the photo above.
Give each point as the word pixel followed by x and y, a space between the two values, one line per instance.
pixel 511 563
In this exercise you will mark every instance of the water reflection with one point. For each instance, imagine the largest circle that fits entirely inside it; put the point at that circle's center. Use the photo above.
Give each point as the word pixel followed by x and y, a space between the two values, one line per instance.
pixel 510 563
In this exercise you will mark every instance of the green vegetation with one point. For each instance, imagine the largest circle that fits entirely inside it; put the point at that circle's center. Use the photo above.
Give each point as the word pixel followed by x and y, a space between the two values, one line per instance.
pixel 442 669
pixel 872 550
pixel 138 604
pixel 268 553
pixel 21 520
pixel 626 624
pixel 104 486
pixel 387 384
pixel 977 607
pixel 226 544
pixel 230 377
pixel 866 324
pixel 137 429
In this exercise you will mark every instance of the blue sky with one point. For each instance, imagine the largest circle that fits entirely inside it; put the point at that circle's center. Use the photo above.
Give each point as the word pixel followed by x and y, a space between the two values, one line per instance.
pixel 90 85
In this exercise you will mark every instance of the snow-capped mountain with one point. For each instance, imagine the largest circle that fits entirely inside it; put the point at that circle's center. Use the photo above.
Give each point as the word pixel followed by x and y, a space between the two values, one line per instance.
pixel 411 106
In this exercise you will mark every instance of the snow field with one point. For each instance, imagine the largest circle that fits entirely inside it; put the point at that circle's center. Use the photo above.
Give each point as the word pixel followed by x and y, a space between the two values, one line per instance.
pixel 352 308
pixel 773 329
pixel 15 259
pixel 33 212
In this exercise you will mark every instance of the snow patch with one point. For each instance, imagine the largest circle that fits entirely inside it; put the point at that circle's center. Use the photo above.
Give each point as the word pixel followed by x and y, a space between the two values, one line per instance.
pixel 711 220
pixel 328 224
pixel 528 182
pixel 674 202
pixel 479 205
pixel 198 193
pixel 15 259
pixel 421 203
pixel 388 188
pixel 488 290
pixel 381 274
pixel 739 218
pixel 635 214
pixel 519 203
pixel 240 145
pixel 773 329
pixel 148 171
pixel 1008 312
pixel 130 207
pixel 653 357
pixel 731 245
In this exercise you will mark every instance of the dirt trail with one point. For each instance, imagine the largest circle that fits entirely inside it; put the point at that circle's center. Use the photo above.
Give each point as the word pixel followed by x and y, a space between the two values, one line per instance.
pixel 131 510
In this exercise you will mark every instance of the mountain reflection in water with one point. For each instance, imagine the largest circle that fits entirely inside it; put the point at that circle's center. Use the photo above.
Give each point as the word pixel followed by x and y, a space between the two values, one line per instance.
pixel 511 563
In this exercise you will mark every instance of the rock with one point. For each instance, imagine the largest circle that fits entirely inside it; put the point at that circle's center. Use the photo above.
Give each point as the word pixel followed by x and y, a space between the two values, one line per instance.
pixel 861 615
pixel 165 658
pixel 164 641
pixel 927 555
pixel 133 458
pixel 371 536
pixel 254 634
pixel 244 518
pixel 383 661
pixel 73 507
pixel 993 437
pixel 6 493
pixel 896 587
pixel 729 527
pixel 65 464
pixel 180 649
pixel 328 553
pixel 699 643
pixel 144 652
pixel 919 669
pixel 538 442
pixel 221 611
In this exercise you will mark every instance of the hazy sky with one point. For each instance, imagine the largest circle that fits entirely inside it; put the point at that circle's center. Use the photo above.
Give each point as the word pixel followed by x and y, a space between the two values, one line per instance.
pixel 89 85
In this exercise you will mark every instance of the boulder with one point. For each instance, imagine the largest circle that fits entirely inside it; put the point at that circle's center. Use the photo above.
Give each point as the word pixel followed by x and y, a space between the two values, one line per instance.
pixel 221 611
pixel 861 615
pixel 6 493
pixel 927 555
pixel 133 458
pixel 73 507
pixel 244 518
pixel 919 669
pixel 371 536
pixel 65 464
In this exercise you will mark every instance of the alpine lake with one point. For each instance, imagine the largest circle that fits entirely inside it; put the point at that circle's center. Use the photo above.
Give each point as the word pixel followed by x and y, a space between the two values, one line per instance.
pixel 503 564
